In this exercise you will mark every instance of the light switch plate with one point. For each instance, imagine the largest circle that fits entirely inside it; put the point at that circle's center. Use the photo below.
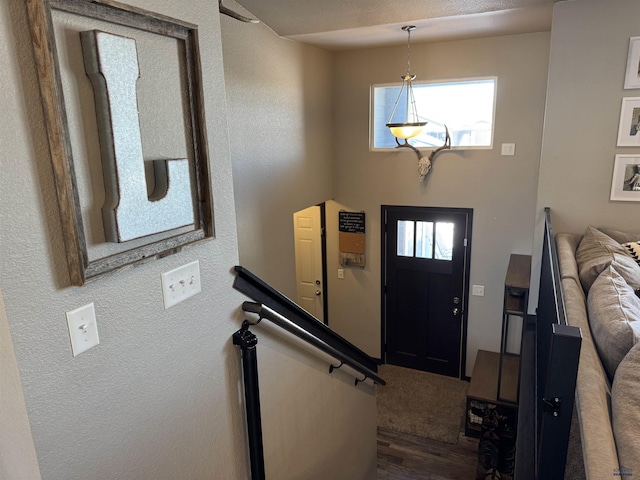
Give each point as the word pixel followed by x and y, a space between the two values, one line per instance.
pixel 341 273
pixel 83 329
pixel 508 149
pixel 181 283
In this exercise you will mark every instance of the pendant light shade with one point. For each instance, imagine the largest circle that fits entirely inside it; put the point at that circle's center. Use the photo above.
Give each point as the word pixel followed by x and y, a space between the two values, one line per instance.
pixel 407 125
pixel 406 130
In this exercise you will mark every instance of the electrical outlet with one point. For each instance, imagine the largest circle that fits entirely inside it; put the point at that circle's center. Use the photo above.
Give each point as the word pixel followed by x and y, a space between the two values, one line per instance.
pixel 83 329
pixel 478 290
pixel 181 283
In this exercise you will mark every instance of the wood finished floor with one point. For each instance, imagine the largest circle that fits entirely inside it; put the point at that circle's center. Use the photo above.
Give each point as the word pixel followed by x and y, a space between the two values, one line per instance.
pixel 407 457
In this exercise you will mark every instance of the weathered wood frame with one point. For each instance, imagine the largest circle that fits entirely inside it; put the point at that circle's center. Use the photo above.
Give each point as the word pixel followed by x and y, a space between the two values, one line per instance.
pixel 81 269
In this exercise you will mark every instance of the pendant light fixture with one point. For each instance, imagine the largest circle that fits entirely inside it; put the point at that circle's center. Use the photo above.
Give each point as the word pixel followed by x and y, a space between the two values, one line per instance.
pixel 410 126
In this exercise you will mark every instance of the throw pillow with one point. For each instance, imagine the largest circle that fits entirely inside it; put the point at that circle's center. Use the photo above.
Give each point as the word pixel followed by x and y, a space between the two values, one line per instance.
pixel 625 412
pixel 634 250
pixel 614 318
pixel 595 252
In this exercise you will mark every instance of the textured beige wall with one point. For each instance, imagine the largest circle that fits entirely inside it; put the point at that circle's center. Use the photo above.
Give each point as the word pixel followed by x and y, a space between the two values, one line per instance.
pixel 589 45
pixel 17 455
pixel 160 397
pixel 279 95
pixel 587 64
pixel 501 190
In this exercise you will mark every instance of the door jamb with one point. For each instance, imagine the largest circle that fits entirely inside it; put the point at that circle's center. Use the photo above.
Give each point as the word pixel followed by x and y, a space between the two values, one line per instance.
pixel 323 244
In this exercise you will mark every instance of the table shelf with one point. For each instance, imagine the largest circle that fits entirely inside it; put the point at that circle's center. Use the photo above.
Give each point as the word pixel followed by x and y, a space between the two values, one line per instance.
pixel 483 388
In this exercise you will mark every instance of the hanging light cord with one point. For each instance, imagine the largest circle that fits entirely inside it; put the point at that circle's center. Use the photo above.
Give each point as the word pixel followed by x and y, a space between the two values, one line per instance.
pixel 409 51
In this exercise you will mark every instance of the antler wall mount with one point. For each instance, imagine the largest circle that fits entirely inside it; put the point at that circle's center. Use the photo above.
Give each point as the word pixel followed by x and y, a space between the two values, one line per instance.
pixel 425 163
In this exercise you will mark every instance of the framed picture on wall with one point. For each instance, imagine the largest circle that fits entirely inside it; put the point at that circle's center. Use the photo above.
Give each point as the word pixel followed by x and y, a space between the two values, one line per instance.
pixel 632 76
pixel 131 172
pixel 629 127
pixel 625 184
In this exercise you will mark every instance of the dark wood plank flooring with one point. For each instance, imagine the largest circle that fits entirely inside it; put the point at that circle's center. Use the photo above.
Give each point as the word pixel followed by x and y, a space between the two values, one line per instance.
pixel 407 457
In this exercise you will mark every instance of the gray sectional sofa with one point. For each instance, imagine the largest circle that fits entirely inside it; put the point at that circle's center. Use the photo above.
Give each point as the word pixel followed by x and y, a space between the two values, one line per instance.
pixel 599 278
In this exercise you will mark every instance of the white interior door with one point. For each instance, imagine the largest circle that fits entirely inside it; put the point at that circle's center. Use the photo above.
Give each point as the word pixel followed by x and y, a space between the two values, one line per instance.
pixel 308 252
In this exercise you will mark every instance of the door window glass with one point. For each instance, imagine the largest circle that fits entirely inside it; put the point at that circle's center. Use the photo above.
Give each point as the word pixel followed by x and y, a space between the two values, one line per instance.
pixel 433 241
pixel 444 241
pixel 424 239
pixel 405 238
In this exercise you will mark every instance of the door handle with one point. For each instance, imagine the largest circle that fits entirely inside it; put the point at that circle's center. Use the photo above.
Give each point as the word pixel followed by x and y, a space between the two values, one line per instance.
pixel 318 292
pixel 456 311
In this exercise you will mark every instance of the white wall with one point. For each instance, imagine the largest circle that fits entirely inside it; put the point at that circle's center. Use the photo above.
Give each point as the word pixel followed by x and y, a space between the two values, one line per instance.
pixel 501 190
pixel 160 397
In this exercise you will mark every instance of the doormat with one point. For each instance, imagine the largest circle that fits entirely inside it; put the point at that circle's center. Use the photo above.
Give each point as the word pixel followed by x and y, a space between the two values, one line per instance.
pixel 421 403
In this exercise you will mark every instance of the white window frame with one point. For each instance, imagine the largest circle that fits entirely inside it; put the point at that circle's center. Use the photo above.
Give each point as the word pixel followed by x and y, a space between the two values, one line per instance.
pixel 434 82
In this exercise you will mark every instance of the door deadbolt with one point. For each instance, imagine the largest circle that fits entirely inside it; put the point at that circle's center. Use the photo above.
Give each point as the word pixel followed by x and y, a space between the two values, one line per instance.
pixel 456 300
pixel 317 282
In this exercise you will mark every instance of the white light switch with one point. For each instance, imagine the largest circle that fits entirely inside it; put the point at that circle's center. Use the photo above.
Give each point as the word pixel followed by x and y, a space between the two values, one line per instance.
pixel 341 273
pixel 83 329
pixel 181 283
pixel 478 290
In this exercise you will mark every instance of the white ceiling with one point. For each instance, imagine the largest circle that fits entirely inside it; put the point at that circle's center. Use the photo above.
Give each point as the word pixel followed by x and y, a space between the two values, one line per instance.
pixel 343 24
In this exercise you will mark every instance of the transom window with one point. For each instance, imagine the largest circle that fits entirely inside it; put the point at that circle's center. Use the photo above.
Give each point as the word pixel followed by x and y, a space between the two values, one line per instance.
pixel 465 106
pixel 425 239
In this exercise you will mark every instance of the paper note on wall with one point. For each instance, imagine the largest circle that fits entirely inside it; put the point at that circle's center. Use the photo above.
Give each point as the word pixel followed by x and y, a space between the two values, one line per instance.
pixel 351 239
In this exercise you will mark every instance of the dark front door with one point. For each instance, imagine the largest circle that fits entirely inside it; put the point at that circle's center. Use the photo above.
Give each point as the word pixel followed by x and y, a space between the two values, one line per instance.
pixel 425 276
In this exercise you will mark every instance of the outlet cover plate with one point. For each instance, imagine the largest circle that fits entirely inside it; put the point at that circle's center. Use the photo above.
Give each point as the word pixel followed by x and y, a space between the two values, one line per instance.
pixel 83 329
pixel 181 283
pixel 478 290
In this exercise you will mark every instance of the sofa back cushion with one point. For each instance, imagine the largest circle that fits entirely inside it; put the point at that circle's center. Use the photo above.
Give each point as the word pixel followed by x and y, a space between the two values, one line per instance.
pixel 596 251
pixel 614 318
pixel 621 236
pixel 625 408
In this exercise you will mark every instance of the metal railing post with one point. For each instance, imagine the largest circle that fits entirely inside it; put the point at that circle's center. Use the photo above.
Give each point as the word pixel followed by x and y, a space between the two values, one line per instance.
pixel 247 342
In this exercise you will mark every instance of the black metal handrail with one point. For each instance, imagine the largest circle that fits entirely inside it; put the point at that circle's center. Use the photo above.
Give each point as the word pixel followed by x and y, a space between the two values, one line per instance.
pixel 291 327
pixel 290 317
pixel 258 290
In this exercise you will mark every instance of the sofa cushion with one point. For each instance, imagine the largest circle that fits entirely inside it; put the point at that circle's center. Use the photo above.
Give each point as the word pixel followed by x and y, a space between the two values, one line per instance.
pixel 625 409
pixel 614 318
pixel 596 251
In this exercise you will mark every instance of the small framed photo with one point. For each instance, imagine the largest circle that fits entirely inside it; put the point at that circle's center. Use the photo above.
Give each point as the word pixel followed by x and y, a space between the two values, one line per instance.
pixel 629 127
pixel 625 184
pixel 632 77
